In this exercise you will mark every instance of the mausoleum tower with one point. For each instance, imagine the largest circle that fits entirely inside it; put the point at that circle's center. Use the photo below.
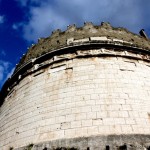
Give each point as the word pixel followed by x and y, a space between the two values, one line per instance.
pixel 86 88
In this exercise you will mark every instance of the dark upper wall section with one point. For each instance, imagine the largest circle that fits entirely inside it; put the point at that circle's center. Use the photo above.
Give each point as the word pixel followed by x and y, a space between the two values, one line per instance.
pixel 58 39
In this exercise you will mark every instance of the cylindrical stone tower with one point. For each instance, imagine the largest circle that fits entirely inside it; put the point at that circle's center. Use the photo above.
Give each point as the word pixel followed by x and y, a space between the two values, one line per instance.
pixel 86 88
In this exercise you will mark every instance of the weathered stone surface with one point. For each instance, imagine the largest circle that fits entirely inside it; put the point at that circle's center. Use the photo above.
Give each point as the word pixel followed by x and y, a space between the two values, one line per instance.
pixel 111 142
pixel 85 97
pixel 91 94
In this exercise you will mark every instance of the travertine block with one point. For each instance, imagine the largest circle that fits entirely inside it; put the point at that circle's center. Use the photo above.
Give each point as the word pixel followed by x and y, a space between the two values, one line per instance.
pixel 70 133
pixel 99 97
pixel 75 124
pixel 87 123
pixel 98 38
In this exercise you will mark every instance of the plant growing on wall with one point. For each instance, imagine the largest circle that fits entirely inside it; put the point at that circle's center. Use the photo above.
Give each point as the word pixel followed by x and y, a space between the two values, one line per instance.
pixel 29 147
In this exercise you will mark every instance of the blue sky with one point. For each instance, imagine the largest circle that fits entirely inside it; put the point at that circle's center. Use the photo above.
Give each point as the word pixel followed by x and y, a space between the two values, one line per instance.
pixel 22 22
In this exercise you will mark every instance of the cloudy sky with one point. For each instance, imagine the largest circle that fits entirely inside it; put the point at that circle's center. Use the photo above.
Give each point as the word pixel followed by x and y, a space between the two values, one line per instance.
pixel 22 22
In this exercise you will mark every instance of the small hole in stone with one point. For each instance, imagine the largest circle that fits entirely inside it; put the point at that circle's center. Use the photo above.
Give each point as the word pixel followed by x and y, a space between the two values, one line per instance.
pixel 148 148
pixel 45 148
pixel 107 147
pixel 88 148
pixel 123 147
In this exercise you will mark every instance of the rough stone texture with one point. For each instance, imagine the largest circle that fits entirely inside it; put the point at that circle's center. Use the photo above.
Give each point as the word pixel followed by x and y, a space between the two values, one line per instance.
pixel 111 142
pixel 81 97
pixel 86 88
pixel 59 39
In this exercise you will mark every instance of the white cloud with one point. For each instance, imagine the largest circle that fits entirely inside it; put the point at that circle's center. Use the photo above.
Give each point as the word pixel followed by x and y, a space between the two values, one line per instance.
pixel 17 26
pixel 44 19
pixel 49 14
pixel 5 71
pixel 2 19
pixel 9 74
pixel 2 53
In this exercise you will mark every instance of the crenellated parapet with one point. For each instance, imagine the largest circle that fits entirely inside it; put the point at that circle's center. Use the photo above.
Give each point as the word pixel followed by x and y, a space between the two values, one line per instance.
pixel 86 34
